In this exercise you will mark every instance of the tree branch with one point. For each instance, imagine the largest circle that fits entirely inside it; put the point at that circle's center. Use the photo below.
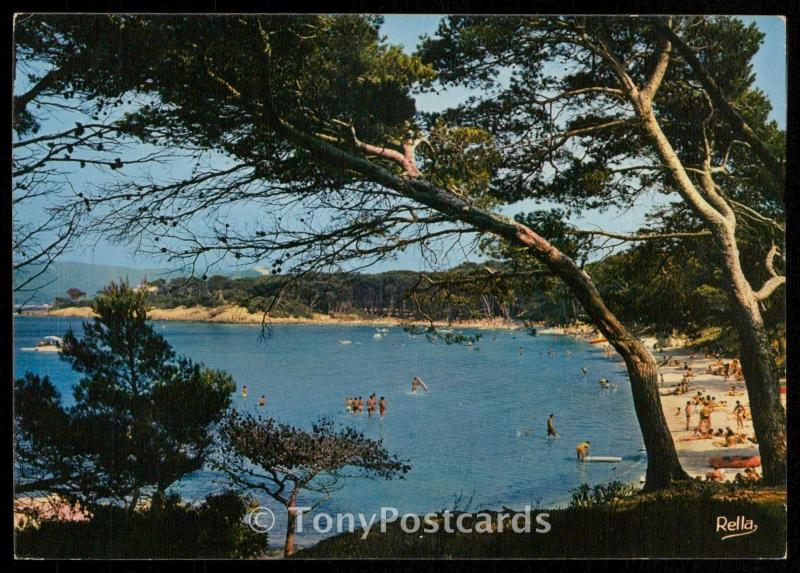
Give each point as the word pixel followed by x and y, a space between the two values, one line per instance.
pixel 775 166
pixel 647 237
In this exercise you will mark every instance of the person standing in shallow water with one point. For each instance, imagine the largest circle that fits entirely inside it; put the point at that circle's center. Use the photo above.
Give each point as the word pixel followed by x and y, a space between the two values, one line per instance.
pixel 582 450
pixel 551 429
pixel 382 407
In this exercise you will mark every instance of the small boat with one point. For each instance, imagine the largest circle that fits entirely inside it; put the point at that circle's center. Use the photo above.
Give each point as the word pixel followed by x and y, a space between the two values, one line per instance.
pixel 597 340
pixel 377 336
pixel 735 462
pixel 381 330
pixel 345 342
pixel 47 344
pixel 50 341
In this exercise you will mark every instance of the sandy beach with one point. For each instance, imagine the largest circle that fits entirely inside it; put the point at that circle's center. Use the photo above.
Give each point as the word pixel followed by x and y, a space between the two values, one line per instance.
pixel 232 314
pixel 694 454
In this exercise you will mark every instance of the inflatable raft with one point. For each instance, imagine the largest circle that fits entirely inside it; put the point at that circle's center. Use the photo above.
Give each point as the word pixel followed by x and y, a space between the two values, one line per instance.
pixel 602 459
pixel 597 340
pixel 735 462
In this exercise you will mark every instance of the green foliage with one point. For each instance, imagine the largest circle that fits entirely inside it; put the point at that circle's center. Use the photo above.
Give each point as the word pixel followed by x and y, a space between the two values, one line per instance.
pixel 601 495
pixel 299 455
pixel 142 419
pixel 168 529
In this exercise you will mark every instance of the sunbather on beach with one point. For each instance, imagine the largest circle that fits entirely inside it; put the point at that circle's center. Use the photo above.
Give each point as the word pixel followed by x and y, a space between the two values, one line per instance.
pixel 698 435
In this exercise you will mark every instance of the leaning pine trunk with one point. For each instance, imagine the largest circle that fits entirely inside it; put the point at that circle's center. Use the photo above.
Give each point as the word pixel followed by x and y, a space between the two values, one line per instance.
pixel 662 466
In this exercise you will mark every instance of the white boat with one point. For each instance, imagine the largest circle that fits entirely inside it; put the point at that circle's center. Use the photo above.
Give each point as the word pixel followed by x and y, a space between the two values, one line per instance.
pixel 382 330
pixel 345 342
pixel 47 344
pixel 377 336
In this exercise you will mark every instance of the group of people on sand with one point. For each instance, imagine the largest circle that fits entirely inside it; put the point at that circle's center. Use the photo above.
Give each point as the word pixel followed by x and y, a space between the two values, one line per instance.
pixel 732 369
pixel 355 405
pixel 681 387
pixel 717 475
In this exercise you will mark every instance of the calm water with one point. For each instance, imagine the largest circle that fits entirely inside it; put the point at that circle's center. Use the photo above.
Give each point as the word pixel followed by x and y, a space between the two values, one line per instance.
pixel 463 438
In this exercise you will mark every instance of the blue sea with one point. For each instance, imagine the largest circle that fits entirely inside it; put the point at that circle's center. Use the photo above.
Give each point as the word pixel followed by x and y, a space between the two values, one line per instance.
pixel 465 438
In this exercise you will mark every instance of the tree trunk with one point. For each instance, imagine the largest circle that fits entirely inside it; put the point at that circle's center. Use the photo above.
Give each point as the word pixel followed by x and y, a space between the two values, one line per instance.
pixel 291 525
pixel 760 375
pixel 663 466
pixel 769 419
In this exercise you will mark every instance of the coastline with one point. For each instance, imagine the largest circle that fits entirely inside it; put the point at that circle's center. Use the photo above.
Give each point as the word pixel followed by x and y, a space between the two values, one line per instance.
pixel 232 314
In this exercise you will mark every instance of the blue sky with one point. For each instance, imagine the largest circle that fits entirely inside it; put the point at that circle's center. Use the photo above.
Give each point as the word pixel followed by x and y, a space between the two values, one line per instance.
pixel 770 70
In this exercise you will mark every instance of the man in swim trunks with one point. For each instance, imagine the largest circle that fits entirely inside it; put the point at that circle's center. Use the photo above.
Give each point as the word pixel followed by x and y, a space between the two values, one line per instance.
pixel 582 450
pixel 739 411
pixel 382 406
pixel 688 409
pixel 551 429
pixel 705 415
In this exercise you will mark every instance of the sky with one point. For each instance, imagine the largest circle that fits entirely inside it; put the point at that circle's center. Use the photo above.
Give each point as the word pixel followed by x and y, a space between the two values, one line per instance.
pixel 770 71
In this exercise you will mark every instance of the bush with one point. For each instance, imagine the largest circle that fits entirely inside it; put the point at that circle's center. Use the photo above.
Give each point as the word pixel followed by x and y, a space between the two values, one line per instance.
pixel 167 529
pixel 601 495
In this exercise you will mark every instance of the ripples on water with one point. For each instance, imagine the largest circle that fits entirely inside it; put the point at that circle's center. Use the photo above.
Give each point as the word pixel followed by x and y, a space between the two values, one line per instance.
pixel 465 437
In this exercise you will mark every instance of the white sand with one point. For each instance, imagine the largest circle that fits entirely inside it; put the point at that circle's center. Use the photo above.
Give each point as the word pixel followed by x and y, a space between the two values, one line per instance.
pixel 694 454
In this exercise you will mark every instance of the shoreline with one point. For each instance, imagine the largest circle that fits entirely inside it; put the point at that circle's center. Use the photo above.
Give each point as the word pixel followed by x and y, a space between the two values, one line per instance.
pixel 232 314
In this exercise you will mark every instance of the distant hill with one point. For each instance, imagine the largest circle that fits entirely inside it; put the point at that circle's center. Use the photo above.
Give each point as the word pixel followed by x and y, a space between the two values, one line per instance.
pixel 61 276
pixel 90 278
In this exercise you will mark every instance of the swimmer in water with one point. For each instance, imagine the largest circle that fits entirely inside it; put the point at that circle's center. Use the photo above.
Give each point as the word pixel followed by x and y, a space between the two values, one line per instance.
pixel 244 391
pixel 584 371
pixel 262 400
pixel 382 407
